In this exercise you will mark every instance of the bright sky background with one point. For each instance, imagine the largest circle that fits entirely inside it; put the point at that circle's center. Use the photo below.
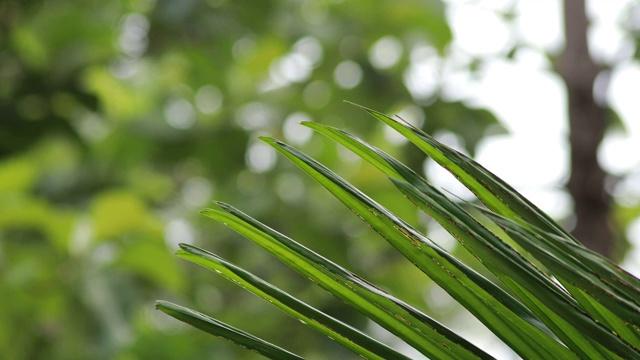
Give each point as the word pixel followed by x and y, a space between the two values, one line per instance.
pixel 531 102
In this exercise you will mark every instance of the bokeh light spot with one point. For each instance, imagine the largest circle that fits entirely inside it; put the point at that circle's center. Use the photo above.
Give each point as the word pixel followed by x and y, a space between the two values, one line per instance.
pixel 385 52
pixel 197 191
pixel 347 74
pixel 180 114
pixel 254 116
pixel 260 157
pixel 310 48
pixel 133 40
pixel 244 49
pixel 293 131
pixel 209 99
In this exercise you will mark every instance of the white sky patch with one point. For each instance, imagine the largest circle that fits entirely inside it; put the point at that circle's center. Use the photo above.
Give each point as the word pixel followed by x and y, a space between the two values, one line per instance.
pixel 606 10
pixel 530 100
pixel 531 103
pixel 619 152
pixel 477 30
pixel 458 85
pixel 607 43
pixel 623 95
pixel 631 262
pixel 628 190
pixel 421 77
pixel 539 23
pixel 532 59
pixel 519 161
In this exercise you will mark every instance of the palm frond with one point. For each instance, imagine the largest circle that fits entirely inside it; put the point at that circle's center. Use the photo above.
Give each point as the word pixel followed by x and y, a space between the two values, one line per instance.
pixel 586 308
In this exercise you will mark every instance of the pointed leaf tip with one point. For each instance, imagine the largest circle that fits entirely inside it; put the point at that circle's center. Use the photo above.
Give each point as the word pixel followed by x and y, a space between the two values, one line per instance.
pixel 269 140
pixel 358 105
pixel 307 123
pixel 184 246
pixel 223 205
pixel 205 211
pixel 157 303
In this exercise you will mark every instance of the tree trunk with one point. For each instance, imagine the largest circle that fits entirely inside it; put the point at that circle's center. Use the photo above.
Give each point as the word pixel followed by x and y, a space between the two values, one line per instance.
pixel 587 123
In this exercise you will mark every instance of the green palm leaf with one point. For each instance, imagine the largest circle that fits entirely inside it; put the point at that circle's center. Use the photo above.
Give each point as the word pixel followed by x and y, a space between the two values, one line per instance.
pixel 495 193
pixel 228 332
pixel 418 330
pixel 501 259
pixel 555 308
pixel 345 335
pixel 589 309
pixel 506 201
pixel 463 284
pixel 596 296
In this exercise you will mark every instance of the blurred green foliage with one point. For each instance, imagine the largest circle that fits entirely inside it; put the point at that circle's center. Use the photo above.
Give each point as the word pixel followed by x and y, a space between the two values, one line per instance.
pixel 120 119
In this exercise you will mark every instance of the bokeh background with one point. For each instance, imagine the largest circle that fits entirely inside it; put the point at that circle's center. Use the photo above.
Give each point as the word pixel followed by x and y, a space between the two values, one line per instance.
pixel 120 120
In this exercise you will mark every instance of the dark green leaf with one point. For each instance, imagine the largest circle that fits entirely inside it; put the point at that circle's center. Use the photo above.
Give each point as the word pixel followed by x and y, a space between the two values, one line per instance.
pixel 338 331
pixel 417 329
pixel 220 329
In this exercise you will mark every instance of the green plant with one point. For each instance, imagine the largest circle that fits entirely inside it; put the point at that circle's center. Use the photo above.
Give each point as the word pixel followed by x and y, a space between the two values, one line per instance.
pixel 582 306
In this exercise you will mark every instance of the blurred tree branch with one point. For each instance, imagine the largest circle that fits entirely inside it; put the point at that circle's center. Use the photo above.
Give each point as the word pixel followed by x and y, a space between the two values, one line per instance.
pixel 587 125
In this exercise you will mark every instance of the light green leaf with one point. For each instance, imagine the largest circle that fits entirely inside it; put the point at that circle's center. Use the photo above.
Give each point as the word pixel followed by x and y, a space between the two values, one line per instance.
pixel 465 285
pixel 227 332
pixel 495 193
pixel 501 259
pixel 338 331
pixel 417 329
pixel 555 308
pixel 600 300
